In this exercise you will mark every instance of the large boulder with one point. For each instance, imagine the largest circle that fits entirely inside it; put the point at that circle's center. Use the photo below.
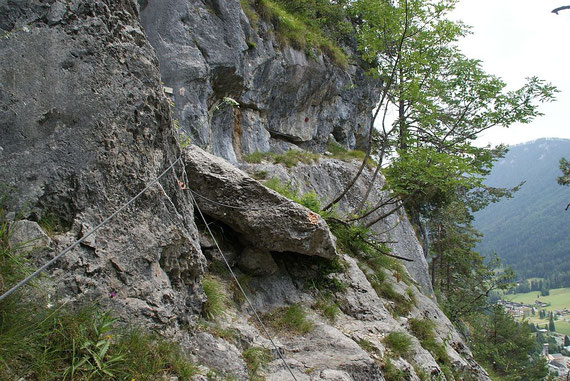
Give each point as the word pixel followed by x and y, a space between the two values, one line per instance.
pixel 265 219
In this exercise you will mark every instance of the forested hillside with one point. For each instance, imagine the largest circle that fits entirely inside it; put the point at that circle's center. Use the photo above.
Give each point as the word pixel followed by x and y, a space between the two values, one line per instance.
pixel 530 231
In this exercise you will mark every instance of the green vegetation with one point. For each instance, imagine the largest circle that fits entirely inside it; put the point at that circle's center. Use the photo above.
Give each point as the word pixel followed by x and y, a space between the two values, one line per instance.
pixel 341 153
pixel 256 358
pixel 228 334
pixel 563 327
pixel 423 330
pixel 391 373
pixel 183 139
pixel 47 344
pixel 402 305
pixel 358 241
pixel 503 346
pixel 260 175
pixel 52 224
pixel 558 299
pixel 367 345
pixel 290 158
pixel 291 319
pixel 297 24
pixel 216 299
pixel 399 343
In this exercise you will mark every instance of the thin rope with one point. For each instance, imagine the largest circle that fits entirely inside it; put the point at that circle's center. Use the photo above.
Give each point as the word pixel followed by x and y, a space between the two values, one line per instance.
pixel 264 328
pixel 69 248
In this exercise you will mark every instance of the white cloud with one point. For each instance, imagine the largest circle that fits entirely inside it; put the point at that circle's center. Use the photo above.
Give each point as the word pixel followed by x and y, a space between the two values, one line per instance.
pixel 517 39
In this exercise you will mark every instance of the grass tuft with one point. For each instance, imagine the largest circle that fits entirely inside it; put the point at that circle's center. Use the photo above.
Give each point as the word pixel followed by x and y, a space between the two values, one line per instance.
pixel 256 358
pixel 327 307
pixel 216 301
pixel 289 159
pixel 48 344
pixel 392 373
pixel 424 331
pixel 367 345
pixel 398 342
pixel 294 29
pixel 291 319
pixel 341 153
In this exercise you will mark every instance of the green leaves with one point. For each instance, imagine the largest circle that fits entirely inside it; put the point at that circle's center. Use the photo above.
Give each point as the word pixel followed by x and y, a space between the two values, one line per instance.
pixel 504 346
pixel 565 168
pixel 90 351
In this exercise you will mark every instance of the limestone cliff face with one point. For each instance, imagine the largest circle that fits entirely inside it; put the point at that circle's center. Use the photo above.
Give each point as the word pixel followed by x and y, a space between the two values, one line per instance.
pixel 209 50
pixel 85 125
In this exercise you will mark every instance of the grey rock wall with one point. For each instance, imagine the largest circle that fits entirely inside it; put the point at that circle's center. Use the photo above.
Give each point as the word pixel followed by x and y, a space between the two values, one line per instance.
pixel 208 50
pixel 84 126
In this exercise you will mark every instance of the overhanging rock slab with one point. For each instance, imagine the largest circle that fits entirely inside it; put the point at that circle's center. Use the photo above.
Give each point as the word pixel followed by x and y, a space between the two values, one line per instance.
pixel 264 217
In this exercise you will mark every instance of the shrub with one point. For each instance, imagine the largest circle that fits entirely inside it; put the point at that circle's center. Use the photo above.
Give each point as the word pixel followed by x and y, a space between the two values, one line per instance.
pixel 398 342
pixel 215 304
pixel 324 280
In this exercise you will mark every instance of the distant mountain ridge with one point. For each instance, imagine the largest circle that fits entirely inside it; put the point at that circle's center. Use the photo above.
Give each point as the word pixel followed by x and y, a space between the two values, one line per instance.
pixel 531 231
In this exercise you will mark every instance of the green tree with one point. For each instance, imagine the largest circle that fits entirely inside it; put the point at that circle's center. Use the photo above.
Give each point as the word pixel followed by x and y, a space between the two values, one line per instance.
pixel 504 346
pixel 460 275
pixel 551 326
pixel 566 341
pixel 564 179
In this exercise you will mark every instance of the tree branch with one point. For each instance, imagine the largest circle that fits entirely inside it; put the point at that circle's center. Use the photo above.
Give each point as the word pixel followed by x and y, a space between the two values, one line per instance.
pixel 371 128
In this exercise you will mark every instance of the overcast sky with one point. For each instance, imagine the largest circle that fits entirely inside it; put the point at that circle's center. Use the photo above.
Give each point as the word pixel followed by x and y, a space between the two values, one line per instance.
pixel 516 39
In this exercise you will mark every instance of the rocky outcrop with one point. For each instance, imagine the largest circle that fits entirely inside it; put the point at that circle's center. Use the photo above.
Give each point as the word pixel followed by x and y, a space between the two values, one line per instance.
pixel 328 177
pixel 209 51
pixel 263 217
